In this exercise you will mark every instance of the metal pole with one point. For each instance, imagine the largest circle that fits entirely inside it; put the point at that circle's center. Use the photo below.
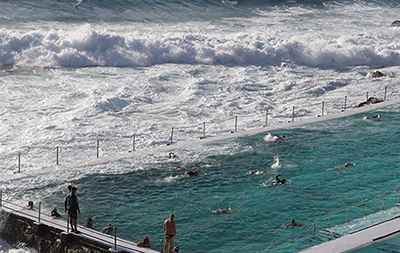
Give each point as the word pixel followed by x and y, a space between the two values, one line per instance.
pixel 383 203
pixel 134 140
pixel 40 206
pixel 348 212
pixel 67 222
pixel 162 241
pixel 367 96
pixel 57 156
pixel 385 94
pixel 172 135
pixel 235 123
pixel 293 115
pixel 266 119
pixel 345 102
pixel 366 209
pixel 323 103
pixel 98 147
pixel 115 238
pixel 19 162
pixel 1 196
pixel 204 130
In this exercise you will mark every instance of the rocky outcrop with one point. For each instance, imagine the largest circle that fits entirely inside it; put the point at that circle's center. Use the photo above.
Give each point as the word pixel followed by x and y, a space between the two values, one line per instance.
pixel 370 100
pixel 376 74
pixel 395 23
pixel 20 232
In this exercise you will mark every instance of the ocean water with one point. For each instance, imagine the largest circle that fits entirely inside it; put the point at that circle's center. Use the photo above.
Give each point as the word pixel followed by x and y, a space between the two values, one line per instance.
pixel 76 72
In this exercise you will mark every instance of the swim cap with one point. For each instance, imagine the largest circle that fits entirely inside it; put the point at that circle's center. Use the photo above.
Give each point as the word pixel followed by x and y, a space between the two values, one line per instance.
pixel 110 225
pixel 176 249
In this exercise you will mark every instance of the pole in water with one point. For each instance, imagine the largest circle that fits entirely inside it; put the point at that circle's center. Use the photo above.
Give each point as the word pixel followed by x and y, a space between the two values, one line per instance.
pixel 293 115
pixel 345 102
pixel 134 139
pixel 98 147
pixel 57 156
pixel 235 124
pixel 172 135
pixel 204 130
pixel 323 103
pixel 1 196
pixel 367 96
pixel 162 242
pixel 266 119
pixel 19 163
pixel 384 99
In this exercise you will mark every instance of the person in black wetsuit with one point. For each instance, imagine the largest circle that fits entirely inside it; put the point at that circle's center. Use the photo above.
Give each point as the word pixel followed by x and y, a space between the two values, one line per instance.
pixel 279 181
pixel 66 202
pixel 191 173
pixel 73 210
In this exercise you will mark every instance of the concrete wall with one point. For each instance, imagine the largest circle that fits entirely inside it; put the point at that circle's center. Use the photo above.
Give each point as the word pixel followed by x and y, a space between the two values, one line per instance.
pixel 20 231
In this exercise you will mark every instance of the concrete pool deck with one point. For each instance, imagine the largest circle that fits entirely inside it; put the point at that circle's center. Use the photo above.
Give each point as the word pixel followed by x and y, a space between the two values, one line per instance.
pixel 359 239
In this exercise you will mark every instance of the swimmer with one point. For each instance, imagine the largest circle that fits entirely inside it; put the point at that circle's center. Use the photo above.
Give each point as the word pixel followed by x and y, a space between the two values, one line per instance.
pixel 145 243
pixel 108 229
pixel 258 172
pixel 30 206
pixel 344 166
pixel 277 137
pixel 279 181
pixel 218 211
pixel 191 173
pixel 180 168
pixel 171 155
pixel 54 213
pixel 293 224
pixel 376 116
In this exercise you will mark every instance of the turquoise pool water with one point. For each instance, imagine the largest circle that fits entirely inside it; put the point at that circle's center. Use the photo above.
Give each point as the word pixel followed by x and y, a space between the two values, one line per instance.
pixel 138 202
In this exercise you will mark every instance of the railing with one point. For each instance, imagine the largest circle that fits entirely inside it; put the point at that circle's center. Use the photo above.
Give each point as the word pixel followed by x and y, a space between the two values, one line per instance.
pixel 199 129
pixel 38 215
pixel 314 226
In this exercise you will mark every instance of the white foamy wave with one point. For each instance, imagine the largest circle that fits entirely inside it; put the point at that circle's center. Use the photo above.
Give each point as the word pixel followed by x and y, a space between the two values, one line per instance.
pixel 276 164
pixel 92 46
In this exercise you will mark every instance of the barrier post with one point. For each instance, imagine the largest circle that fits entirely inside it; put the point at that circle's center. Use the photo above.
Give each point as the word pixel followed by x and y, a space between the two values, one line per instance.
pixel 348 213
pixel 293 115
pixel 345 102
pixel 384 99
pixel 98 147
pixel 40 206
pixel 1 196
pixel 57 156
pixel 266 119
pixel 19 163
pixel 235 124
pixel 134 140
pixel 366 209
pixel 162 242
pixel 383 203
pixel 67 223
pixel 172 135
pixel 115 238
pixel 204 130
pixel 323 103
pixel 367 96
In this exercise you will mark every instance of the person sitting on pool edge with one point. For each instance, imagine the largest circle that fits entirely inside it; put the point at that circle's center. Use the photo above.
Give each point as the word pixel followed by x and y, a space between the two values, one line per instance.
pixel 293 223
pixel 145 243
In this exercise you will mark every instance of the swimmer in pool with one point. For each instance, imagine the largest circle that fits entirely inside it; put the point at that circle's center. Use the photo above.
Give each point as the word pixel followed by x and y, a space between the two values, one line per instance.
pixel 293 224
pixel 218 211
pixel 277 137
pixel 279 181
pixel 258 172
pixel 376 116
pixel 191 173
pixel 344 166
pixel 180 168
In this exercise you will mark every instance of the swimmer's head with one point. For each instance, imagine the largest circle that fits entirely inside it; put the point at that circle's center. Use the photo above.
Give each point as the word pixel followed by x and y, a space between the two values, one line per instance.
pixel 30 203
pixel 283 181
pixel 283 136
pixel 110 225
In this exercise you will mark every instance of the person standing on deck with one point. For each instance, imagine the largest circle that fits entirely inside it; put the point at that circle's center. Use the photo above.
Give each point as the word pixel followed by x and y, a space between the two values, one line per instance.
pixel 170 232
pixel 73 210
pixel 66 202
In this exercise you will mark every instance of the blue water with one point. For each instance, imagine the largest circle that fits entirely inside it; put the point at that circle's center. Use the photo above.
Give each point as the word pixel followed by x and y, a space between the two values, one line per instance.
pixel 76 72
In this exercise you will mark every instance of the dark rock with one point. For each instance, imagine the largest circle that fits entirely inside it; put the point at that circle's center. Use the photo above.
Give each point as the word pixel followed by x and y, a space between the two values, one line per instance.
pixel 370 100
pixel 396 23
pixel 376 74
